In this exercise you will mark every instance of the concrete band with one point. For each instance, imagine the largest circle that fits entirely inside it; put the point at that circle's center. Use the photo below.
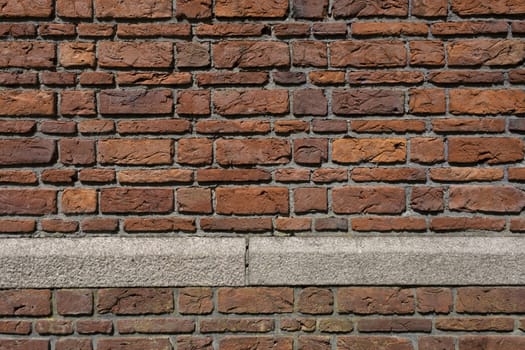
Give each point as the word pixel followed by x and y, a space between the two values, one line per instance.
pixel 151 262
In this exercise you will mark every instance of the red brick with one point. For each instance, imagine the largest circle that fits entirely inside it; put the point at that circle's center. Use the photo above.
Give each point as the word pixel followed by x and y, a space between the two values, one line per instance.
pixel 77 152
pixel 397 325
pixel 385 77
pixel 470 28
pixel 293 224
pixel 99 225
pixel 18 177
pixel 465 77
pixel 388 224
pixel 367 101
pixel 73 344
pixel 135 301
pixel 133 343
pixel 47 30
pixel 74 9
pixel 96 78
pixel 96 30
pixel 255 300
pixel 375 300
pixel 155 326
pixel 25 103
pixel 77 54
pixel 310 102
pixel 30 54
pixel 465 174
pixel 58 127
pixel 316 301
pixel 427 150
pixel 489 52
pixel 25 302
pixel 193 9
pixel 310 199
pixel 27 151
pixel 58 225
pixel 388 126
pixel 58 78
pixel 388 175
pixel 480 102
pixel 216 224
pixel 310 8
pixel 434 299
pixel 194 200
pixel 252 151
pixel 193 102
pixel 389 28
pixel 27 202
pixel 290 126
pixel 171 30
pixel 135 151
pixel 427 101
pixel 97 175
pixel 195 301
pixel 469 125
pixel 135 54
pixel 251 8
pixel 491 342
pixel 17 226
pixel 54 327
pixel 310 151
pixel 480 7
pixel 161 224
pixel 222 325
pixel 477 223
pixel 191 54
pixel 429 53
pixel 308 342
pixel 490 300
pixel 18 78
pixel 250 54
pixel 331 224
pixel 429 8
pixel 309 54
pixel 190 342
pixel 251 200
pixel 136 200
pixel 427 199
pixel 80 103
pixel 135 102
pixel 153 126
pixel 132 9
pixel 24 344
pixel 298 324
pixel 155 176
pixel 369 150
pixel 370 53
pixel 487 149
pixel 94 326
pixel 355 8
pixel 373 200
pixel 327 77
pixel 79 201
pixel 373 342
pixel 292 175
pixel 15 327
pixel 436 343
pixel 74 302
pixel 475 324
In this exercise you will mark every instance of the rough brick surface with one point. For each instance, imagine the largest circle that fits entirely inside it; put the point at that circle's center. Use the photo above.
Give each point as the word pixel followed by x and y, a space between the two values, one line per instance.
pixel 231 117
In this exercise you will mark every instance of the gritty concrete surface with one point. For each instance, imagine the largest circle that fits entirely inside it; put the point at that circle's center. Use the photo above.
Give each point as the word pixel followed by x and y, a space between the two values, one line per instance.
pixel 121 262
pixel 387 261
pixel 135 262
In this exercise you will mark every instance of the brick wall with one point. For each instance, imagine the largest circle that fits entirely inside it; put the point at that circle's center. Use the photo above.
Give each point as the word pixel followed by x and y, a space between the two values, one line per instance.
pixel 261 116
pixel 240 117
pixel 260 318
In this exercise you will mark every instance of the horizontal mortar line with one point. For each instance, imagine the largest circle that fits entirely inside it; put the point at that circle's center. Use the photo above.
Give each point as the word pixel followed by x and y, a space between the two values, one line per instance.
pixel 229 261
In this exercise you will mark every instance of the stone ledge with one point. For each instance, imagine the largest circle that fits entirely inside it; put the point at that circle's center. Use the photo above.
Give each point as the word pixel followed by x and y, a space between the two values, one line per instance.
pixel 121 262
pixel 387 261
pixel 193 261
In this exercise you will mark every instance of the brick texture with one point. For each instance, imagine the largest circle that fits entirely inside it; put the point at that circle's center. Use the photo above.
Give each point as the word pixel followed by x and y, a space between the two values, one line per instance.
pixel 230 117
pixel 317 318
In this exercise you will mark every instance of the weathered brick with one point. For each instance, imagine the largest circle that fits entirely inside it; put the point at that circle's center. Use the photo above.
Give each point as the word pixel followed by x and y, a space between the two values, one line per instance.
pixel 369 150
pixel 493 150
pixel 135 301
pixel 195 301
pixel 27 151
pixel 135 151
pixel 373 200
pixel 79 201
pixel 386 301
pixel 250 54
pixel 367 101
pixel 27 202
pixel 496 199
pixel 131 9
pixel 255 300
pixel 133 343
pixel 357 8
pixel 252 200
pixel 135 102
pixel 370 53
pixel 25 103
pixel 315 301
pixel 490 52
pixel 480 7
pixel 252 151
pixel 136 200
pixel 251 8
pixel 373 342
pixel 155 326
pixel 25 302
pixel 135 54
